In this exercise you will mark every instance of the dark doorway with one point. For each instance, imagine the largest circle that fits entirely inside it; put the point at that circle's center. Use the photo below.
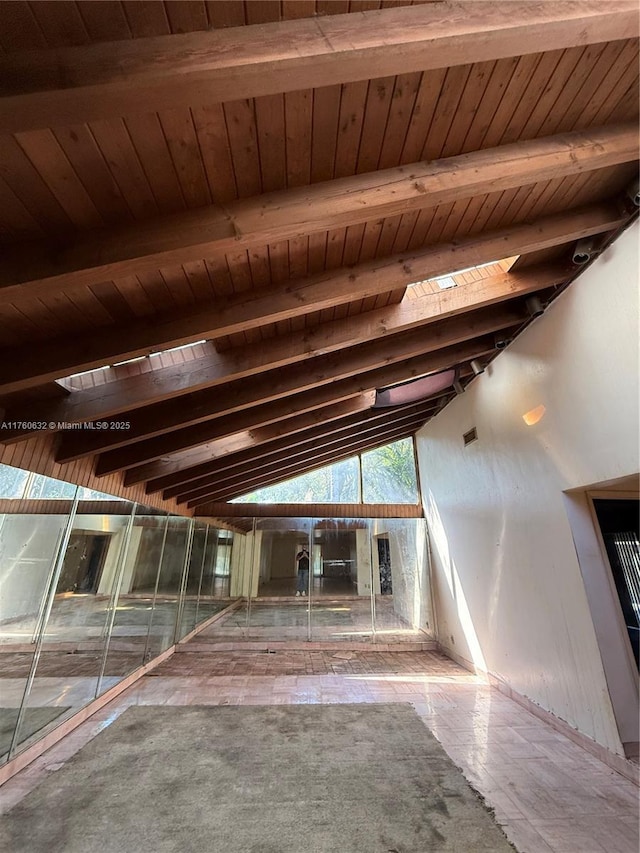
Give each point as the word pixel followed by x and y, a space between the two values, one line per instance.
pixel 384 564
pixel 83 563
pixel 619 522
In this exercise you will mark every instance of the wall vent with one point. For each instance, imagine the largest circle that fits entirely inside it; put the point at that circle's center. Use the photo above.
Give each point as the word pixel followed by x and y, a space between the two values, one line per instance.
pixel 470 436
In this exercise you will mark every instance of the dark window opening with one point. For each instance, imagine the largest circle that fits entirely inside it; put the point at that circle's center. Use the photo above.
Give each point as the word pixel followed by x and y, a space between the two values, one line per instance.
pixel 619 522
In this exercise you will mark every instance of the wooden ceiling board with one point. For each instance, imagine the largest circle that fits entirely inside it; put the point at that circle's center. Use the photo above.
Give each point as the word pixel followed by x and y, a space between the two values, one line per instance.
pixel 61 181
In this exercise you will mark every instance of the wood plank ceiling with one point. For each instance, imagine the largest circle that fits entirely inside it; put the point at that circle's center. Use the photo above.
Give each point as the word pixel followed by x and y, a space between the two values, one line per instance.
pixel 263 181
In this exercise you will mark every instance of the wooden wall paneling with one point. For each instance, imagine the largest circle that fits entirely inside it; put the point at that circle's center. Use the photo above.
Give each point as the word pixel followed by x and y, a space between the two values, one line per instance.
pixel 61 23
pixel 46 155
pixel 112 299
pixel 533 93
pixel 325 116
pixel 374 125
pixel 422 115
pixel 218 270
pixel 332 7
pixel 45 322
pixel 405 230
pixel 135 296
pixel 558 117
pixel 114 142
pixel 451 94
pixel 157 291
pixel 388 236
pixel 627 105
pixel 370 239
pixel 502 204
pixel 16 223
pixel 500 78
pixel 89 165
pixel 298 9
pixel 298 109
pixel 177 125
pixel 405 92
pixel 457 215
pixel 36 455
pixel 16 328
pixel 226 13
pixel 566 71
pixel 178 285
pixel 148 139
pixel 262 13
pixel 211 128
pixel 146 18
pixel 20 30
pixel 185 16
pixel 511 96
pixel 421 228
pixel 273 142
pixel 104 21
pixel 241 127
pixel 24 180
pixel 198 279
pixel 622 98
pixel 597 84
pixel 479 78
pixel 438 222
pixel 77 313
pixel 351 117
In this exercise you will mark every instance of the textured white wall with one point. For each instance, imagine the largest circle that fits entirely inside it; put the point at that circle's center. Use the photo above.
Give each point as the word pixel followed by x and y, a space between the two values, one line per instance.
pixel 508 591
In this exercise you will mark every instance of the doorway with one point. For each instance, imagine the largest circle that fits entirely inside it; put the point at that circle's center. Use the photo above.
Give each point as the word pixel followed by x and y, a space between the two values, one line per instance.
pixel 83 563
pixel 620 528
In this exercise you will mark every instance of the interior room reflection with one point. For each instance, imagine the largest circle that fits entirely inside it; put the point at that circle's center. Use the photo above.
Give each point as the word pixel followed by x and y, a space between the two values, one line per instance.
pixel 91 587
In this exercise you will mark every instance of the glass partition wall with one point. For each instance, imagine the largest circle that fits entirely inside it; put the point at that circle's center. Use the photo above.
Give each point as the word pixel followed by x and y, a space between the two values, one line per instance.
pixel 367 582
pixel 91 588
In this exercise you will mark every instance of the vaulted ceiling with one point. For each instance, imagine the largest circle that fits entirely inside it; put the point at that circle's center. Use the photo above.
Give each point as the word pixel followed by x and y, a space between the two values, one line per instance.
pixel 254 201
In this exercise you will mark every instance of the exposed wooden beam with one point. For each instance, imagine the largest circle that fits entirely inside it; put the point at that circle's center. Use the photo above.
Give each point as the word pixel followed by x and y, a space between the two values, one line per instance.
pixel 99 403
pixel 24 367
pixel 183 482
pixel 75 85
pixel 320 460
pixel 335 510
pixel 39 269
pixel 201 406
pixel 173 442
pixel 304 454
pixel 190 464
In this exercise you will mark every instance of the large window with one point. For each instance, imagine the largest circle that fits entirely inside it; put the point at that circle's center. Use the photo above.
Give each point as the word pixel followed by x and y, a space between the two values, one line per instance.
pixel 384 475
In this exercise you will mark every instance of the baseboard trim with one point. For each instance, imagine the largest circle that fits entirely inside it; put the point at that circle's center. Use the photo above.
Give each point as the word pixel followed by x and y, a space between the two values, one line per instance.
pixel 628 769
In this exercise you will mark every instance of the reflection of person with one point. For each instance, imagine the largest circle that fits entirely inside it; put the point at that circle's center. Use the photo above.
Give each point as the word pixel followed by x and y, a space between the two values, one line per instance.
pixel 302 559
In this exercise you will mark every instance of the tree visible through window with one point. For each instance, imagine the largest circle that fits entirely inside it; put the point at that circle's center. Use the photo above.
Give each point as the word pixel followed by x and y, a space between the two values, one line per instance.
pixel 388 476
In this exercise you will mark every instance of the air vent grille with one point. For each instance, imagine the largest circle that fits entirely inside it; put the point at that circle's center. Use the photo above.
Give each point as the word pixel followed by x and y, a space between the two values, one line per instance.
pixel 470 436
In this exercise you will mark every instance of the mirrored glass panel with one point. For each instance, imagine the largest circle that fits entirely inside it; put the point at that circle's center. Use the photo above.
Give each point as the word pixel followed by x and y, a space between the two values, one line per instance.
pixel 341 588
pixel 193 579
pixel 77 619
pixel 402 605
pixel 30 549
pixel 162 627
pixel 130 616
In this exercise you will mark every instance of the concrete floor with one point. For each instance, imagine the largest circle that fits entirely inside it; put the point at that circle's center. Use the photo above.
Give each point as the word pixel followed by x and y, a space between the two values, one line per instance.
pixel 549 794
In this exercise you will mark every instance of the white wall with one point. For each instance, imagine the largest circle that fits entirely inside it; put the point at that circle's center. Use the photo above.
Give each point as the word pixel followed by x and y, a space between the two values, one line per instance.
pixel 508 588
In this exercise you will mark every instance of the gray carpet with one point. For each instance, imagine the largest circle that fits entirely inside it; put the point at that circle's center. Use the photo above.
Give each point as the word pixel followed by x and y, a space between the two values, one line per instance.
pixel 34 719
pixel 276 779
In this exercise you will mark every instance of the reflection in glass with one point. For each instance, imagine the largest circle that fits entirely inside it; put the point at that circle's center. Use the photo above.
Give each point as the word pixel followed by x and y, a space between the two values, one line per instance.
pixel 30 551
pixel 389 474
pixel 167 587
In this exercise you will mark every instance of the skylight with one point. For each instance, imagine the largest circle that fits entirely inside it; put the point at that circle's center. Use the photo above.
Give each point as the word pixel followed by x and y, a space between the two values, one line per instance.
pixel 132 360
pixel 447 281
